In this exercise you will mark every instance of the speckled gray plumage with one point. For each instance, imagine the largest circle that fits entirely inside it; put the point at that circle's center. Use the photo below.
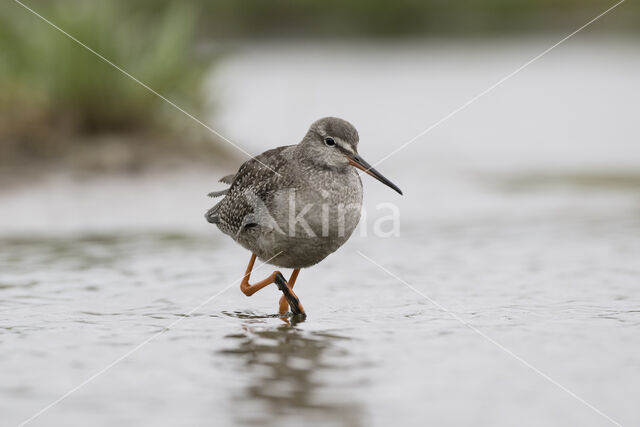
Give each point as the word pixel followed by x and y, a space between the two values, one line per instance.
pixel 269 190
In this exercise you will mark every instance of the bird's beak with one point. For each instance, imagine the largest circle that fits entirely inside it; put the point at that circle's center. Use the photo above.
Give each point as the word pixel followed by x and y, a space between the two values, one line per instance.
pixel 360 163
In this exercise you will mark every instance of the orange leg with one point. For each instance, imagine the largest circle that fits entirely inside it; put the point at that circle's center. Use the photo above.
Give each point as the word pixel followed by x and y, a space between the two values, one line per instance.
pixel 275 277
pixel 249 289
pixel 284 304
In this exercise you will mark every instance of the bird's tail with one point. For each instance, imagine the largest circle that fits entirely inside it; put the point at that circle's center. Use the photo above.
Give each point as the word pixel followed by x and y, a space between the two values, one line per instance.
pixel 212 214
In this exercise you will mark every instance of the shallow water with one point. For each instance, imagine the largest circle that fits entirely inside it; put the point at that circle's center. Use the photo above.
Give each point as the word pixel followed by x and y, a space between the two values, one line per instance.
pixel 507 271
pixel 562 295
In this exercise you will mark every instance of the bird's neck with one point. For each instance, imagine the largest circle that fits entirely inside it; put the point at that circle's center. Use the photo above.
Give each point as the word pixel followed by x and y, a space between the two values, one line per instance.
pixel 316 161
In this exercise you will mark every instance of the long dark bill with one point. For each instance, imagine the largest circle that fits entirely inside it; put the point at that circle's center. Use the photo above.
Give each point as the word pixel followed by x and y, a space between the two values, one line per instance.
pixel 360 163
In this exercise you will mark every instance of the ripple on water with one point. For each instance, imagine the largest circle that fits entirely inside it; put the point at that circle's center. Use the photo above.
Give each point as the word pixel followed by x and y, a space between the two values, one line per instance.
pixel 292 374
pixel 366 333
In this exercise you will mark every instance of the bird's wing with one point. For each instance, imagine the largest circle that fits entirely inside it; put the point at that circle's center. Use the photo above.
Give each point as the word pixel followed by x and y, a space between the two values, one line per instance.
pixel 260 169
pixel 257 179
pixel 219 193
pixel 227 179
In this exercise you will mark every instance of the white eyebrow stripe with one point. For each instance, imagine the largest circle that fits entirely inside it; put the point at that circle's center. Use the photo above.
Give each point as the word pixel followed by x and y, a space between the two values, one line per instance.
pixel 345 146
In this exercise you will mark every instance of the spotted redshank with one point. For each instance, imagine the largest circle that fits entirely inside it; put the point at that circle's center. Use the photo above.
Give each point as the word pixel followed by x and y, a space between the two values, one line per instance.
pixel 292 206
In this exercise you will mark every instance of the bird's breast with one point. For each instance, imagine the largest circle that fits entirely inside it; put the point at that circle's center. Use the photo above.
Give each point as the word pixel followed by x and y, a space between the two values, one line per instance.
pixel 320 204
pixel 305 221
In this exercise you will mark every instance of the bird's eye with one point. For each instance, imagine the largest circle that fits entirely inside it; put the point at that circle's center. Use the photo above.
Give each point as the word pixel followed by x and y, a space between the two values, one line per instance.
pixel 329 141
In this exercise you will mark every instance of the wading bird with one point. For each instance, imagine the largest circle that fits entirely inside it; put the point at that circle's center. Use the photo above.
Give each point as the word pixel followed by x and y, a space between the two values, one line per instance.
pixel 292 206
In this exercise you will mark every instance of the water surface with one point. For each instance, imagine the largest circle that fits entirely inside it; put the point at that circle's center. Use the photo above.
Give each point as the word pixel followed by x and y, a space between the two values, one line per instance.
pixel 521 218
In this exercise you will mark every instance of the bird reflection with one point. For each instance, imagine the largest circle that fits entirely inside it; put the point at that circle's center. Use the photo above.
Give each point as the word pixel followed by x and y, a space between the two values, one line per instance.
pixel 293 377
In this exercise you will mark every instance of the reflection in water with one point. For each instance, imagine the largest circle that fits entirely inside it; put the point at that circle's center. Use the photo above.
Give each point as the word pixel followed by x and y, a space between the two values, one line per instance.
pixel 293 377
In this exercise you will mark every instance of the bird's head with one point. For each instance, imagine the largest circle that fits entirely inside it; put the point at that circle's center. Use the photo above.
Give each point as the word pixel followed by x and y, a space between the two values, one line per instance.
pixel 333 143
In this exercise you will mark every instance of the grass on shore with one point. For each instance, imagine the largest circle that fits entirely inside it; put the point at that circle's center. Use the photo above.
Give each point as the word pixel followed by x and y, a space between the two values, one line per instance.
pixel 56 95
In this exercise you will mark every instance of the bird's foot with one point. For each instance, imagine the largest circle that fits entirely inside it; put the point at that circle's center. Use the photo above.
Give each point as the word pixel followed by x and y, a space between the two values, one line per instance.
pixel 292 299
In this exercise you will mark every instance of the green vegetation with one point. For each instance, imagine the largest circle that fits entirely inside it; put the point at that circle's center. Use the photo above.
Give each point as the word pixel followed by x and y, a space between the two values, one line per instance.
pixel 56 97
pixel 400 18
pixel 54 94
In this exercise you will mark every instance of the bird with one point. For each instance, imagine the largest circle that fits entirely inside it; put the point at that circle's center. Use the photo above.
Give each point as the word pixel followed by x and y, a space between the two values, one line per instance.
pixel 294 205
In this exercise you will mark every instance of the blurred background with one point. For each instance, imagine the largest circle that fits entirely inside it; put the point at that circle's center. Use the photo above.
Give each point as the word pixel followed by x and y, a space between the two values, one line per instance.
pixel 521 212
pixel 62 105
